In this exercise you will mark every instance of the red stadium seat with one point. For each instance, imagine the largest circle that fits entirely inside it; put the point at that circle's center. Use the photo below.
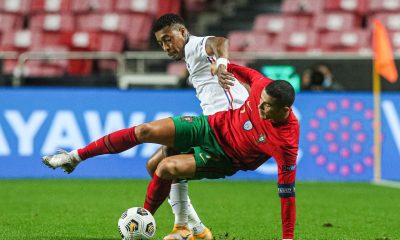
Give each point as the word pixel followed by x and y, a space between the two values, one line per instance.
pixel 336 21
pixel 82 41
pixel 15 6
pixel 139 6
pixel 139 33
pixel 52 22
pixel 50 6
pixel 353 41
pixel 109 22
pixel 390 20
pixel 383 6
pixel 10 22
pixel 273 23
pixel 249 41
pixel 395 38
pixel 353 6
pixel 298 40
pixel 302 7
pixel 85 6
pixel 110 42
pixel 168 6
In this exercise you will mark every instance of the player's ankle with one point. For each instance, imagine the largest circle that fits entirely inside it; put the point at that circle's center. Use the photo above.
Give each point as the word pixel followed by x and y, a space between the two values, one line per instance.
pixel 197 228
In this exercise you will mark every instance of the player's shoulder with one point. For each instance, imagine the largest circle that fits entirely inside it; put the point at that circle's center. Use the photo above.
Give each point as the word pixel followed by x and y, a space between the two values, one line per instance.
pixel 196 40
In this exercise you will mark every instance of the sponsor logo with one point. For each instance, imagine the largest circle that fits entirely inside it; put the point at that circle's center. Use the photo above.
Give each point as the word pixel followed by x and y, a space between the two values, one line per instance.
pixel 187 119
pixel 247 125
pixel 261 138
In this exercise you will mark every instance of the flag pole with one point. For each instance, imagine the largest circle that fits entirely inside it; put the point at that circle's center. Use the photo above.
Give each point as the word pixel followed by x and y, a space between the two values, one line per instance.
pixel 377 124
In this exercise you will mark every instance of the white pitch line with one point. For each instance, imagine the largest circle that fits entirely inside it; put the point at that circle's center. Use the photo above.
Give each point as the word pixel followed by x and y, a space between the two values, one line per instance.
pixel 387 183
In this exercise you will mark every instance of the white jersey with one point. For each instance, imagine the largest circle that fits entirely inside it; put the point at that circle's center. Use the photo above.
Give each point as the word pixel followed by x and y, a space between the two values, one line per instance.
pixel 213 98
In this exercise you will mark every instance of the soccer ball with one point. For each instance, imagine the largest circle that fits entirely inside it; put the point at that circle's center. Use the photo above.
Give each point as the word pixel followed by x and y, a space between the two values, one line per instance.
pixel 136 223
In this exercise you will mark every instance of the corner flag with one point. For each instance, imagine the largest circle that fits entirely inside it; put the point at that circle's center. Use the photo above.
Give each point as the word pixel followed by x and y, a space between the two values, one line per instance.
pixel 383 56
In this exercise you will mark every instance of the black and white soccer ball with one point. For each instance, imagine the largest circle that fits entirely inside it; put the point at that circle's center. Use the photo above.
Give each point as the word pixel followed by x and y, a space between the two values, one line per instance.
pixel 136 223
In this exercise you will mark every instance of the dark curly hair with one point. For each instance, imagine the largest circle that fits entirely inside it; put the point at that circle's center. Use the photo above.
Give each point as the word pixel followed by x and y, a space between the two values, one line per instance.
pixel 282 91
pixel 168 19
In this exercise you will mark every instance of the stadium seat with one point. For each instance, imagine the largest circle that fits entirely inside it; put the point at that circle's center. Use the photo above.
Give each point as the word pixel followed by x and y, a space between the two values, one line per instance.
pixel 140 32
pixel 10 22
pixel 336 21
pixel 82 41
pixel 298 40
pixel 390 20
pixel 395 37
pixel 276 23
pixel 107 22
pixel 352 6
pixel 86 6
pixel 302 7
pixel 237 40
pixel 50 6
pixel 52 22
pixel 375 6
pixel 139 6
pixel 15 6
pixel 249 41
pixel 168 6
pixel 346 41
pixel 110 42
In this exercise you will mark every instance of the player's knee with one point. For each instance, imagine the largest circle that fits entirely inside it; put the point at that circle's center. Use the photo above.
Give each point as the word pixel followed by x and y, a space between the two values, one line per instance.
pixel 168 168
pixel 144 132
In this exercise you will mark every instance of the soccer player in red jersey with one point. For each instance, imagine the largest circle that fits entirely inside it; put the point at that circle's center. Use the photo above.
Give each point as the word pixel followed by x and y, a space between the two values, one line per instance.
pixel 218 145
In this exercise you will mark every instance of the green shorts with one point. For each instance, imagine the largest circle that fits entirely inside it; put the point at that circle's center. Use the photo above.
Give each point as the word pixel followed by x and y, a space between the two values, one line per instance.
pixel 194 135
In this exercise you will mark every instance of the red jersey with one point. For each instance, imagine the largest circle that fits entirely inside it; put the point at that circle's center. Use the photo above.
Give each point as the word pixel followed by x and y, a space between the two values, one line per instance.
pixel 249 140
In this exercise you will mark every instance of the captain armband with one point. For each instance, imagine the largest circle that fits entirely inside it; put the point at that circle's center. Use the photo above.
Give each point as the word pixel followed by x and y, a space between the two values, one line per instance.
pixel 286 190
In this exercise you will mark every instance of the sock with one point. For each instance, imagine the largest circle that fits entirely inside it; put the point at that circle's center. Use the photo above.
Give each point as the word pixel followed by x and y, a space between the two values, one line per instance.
pixel 157 192
pixel 195 223
pixel 115 142
pixel 178 199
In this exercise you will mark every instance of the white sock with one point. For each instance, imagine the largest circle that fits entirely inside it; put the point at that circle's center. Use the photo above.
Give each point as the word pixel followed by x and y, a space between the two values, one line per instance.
pixel 76 155
pixel 195 223
pixel 179 202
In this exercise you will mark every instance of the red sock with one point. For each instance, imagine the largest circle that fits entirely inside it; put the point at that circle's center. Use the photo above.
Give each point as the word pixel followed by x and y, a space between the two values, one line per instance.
pixel 157 192
pixel 115 142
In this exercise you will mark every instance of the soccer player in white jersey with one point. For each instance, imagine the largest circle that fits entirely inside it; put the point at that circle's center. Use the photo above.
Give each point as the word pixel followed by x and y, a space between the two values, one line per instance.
pixel 198 53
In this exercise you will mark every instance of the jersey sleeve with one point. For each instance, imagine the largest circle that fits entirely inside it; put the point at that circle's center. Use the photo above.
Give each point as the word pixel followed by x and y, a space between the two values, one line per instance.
pixel 202 46
pixel 247 75
pixel 286 187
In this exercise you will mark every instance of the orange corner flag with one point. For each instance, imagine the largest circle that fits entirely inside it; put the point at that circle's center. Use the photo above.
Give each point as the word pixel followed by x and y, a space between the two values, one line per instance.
pixel 383 56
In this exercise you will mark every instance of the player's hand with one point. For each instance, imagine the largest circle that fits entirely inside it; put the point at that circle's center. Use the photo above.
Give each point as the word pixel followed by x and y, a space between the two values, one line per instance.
pixel 225 78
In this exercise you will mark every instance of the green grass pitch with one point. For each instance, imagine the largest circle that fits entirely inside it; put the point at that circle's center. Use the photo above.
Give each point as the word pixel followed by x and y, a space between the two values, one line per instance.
pixel 89 209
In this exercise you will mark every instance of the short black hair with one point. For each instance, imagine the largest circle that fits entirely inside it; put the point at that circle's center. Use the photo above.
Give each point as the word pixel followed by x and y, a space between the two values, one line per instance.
pixel 282 91
pixel 168 19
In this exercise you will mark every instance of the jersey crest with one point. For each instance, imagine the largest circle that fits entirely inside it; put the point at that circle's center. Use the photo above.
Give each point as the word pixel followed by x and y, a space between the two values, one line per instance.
pixel 247 125
pixel 187 119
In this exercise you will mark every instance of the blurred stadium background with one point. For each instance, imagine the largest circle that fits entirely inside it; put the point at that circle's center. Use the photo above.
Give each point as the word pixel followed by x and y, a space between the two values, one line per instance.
pixel 74 70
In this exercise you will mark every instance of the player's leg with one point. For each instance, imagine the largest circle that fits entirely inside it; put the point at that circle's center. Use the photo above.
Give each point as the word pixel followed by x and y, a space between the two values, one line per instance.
pixel 160 131
pixel 169 169
pixel 178 197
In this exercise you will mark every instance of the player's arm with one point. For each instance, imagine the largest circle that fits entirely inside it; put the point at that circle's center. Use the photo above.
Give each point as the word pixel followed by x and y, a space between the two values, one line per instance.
pixel 286 191
pixel 245 75
pixel 218 47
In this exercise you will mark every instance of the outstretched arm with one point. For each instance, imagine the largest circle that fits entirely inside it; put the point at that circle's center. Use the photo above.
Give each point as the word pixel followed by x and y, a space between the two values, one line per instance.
pixel 219 47
pixel 246 75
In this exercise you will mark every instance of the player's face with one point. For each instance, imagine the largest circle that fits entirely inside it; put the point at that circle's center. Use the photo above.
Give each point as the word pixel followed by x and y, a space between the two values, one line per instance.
pixel 268 108
pixel 172 41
